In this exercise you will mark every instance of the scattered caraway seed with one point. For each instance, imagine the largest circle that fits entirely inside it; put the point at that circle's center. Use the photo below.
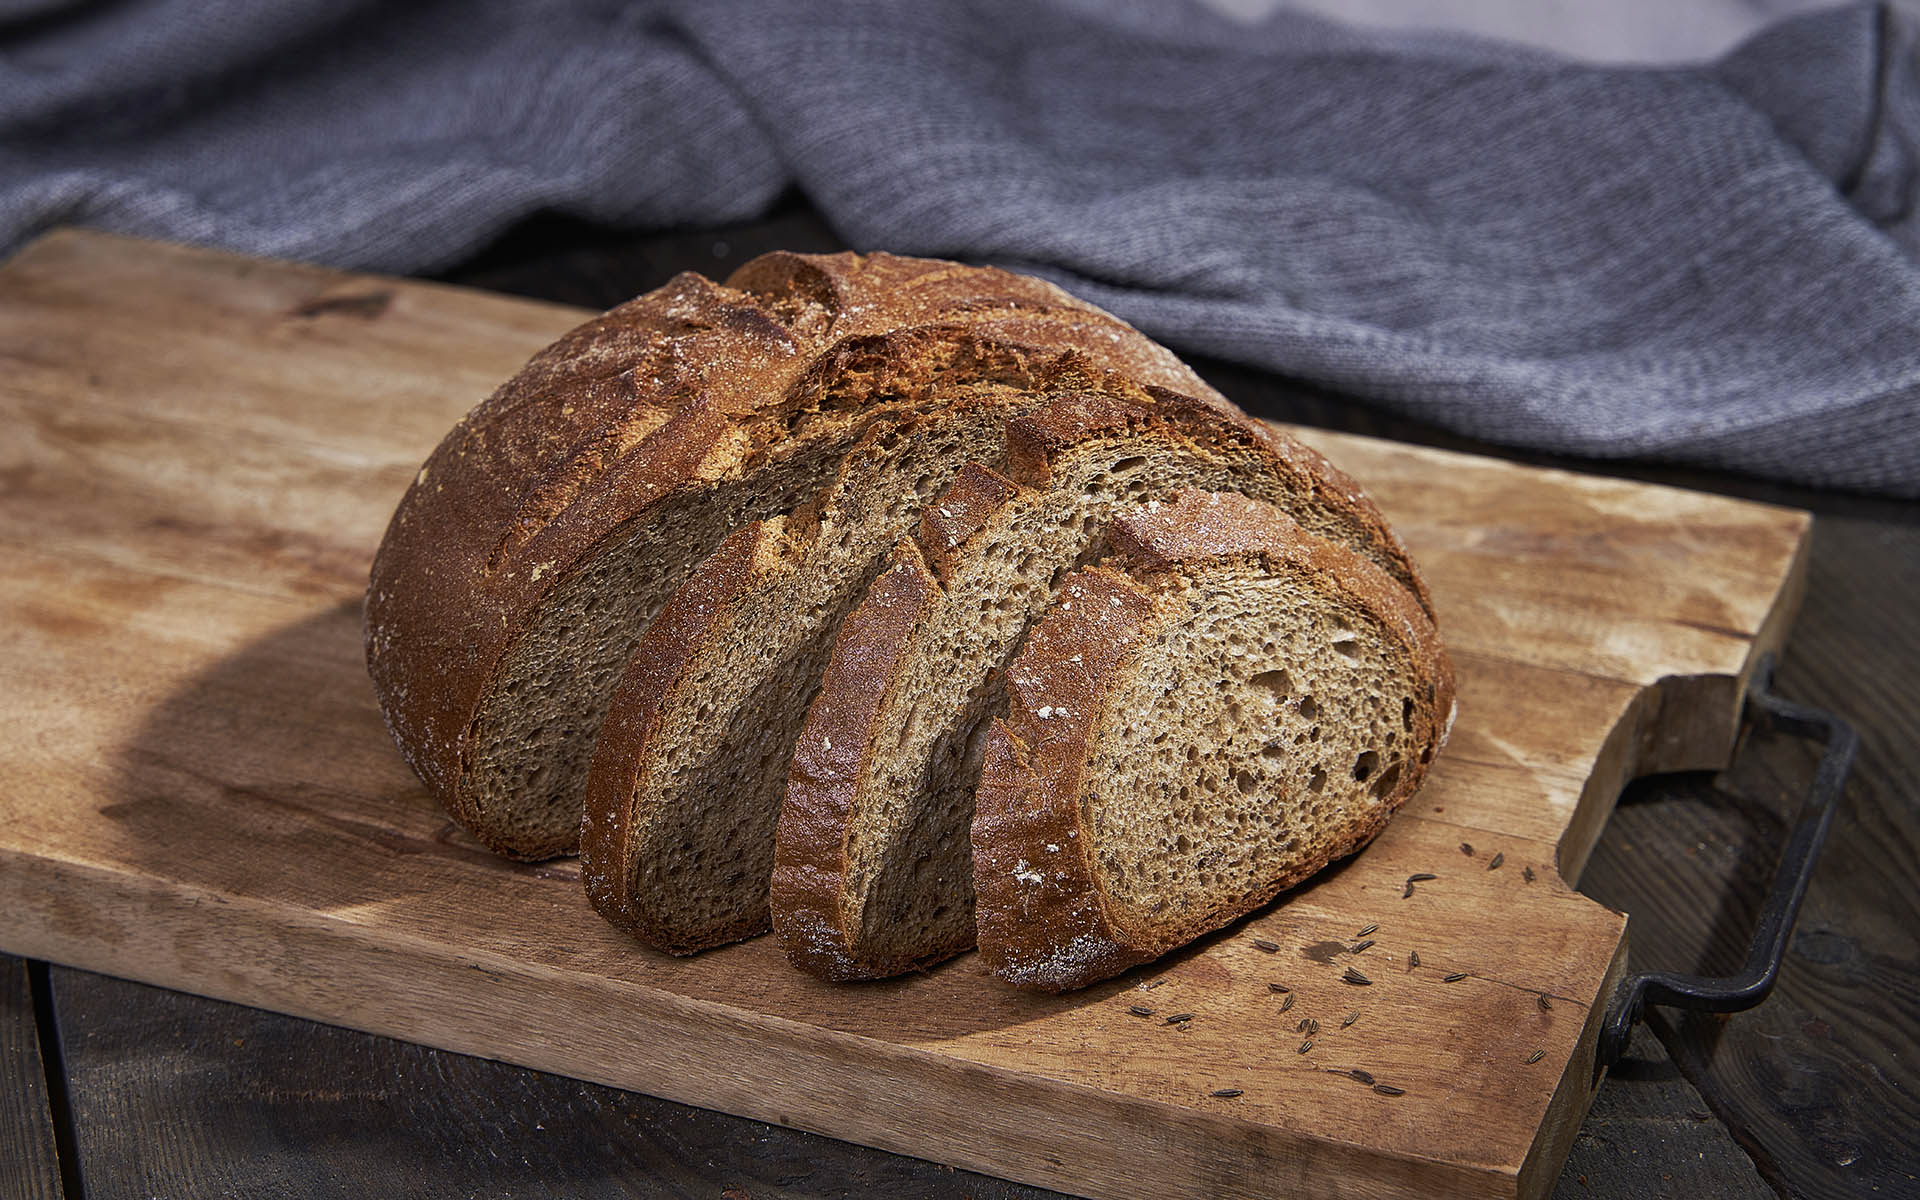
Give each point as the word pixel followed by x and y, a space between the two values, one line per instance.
pixel 1154 983
pixel 1493 864
pixel 1226 1093
pixel 1360 946
pixel 1535 1057
pixel 1363 1076
pixel 1178 1018
pixel 1387 1089
pixel 1373 928
pixel 1406 893
pixel 1264 944
pixel 1278 987
pixel 1350 1018
pixel 1546 1005
pixel 1456 977
pixel 1466 848
pixel 1287 1003
pixel 1421 877
pixel 1356 978
pixel 1305 1046
pixel 1526 873
pixel 1313 1027
pixel 1140 1010
pixel 1413 958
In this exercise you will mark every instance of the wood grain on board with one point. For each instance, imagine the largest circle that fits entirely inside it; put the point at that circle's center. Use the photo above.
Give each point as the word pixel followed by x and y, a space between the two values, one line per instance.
pixel 29 1155
pixel 199 455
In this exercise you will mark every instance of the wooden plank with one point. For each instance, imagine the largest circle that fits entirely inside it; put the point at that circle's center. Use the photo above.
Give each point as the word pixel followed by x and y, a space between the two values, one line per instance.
pixel 174 1095
pixel 1651 1133
pixel 29 1155
pixel 209 802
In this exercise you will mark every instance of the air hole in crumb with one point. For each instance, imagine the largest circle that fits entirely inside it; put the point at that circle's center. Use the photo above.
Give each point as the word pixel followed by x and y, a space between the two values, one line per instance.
pixel 1365 765
pixel 1384 785
pixel 1244 781
pixel 1348 647
pixel 1308 708
pixel 1129 464
pixel 1317 781
pixel 1275 681
pixel 1406 714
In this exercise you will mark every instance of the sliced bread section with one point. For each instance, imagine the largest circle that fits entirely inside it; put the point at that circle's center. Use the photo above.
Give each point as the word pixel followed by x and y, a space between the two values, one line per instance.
pixel 872 872
pixel 1222 707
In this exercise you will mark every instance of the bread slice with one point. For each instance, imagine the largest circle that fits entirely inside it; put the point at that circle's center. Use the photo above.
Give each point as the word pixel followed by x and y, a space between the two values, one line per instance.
pixel 551 524
pixel 872 873
pixel 1217 711
pixel 691 765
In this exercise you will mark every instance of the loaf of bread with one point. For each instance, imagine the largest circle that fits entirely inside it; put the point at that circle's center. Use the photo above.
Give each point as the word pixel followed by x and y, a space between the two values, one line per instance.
pixel 541 537
pixel 721 587
pixel 1222 707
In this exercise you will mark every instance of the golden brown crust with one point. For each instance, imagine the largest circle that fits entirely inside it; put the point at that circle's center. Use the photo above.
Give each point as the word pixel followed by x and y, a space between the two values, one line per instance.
pixel 831 759
pixel 1052 927
pixel 1039 914
pixel 662 397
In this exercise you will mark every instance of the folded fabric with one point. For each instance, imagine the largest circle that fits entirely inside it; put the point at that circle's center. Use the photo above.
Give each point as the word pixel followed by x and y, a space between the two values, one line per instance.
pixel 1709 264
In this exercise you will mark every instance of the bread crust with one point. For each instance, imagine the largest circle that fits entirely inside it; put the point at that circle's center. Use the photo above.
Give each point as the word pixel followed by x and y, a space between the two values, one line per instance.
pixel 831 761
pixel 658 401
pixel 1055 928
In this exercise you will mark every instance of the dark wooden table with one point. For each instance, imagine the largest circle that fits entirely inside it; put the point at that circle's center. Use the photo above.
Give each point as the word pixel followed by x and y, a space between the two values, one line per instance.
pixel 110 1088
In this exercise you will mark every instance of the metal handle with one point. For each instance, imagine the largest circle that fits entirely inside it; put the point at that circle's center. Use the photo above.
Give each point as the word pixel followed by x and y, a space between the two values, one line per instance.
pixel 1755 979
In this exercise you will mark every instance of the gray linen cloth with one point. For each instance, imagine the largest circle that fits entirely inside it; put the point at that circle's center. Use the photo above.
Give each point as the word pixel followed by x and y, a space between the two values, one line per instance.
pixel 1710 264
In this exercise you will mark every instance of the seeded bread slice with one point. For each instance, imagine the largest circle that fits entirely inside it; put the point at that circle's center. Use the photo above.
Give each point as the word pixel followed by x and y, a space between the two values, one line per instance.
pixel 1218 710
pixel 551 524
pixel 872 873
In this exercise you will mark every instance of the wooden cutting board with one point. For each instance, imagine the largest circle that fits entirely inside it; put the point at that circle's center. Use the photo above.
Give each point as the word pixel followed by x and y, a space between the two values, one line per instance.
pixel 198 454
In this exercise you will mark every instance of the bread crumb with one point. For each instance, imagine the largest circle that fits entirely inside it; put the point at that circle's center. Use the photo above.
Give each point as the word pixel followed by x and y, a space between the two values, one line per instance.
pixel 1024 872
pixel 1045 712
pixel 1053 847
pixel 828 742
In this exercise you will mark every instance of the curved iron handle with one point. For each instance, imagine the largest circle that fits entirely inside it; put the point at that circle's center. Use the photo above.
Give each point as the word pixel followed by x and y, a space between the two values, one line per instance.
pixel 1732 993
